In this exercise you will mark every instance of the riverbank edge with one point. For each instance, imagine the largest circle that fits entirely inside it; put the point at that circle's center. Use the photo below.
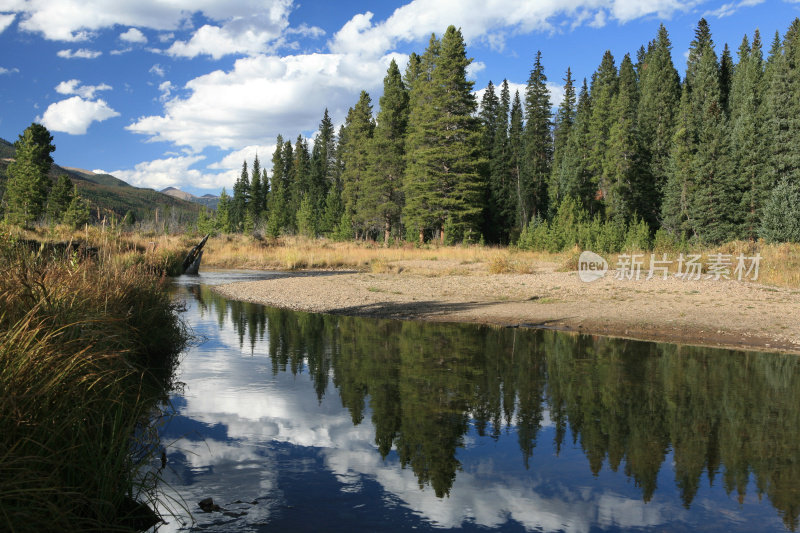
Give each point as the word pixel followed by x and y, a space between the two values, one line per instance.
pixel 647 331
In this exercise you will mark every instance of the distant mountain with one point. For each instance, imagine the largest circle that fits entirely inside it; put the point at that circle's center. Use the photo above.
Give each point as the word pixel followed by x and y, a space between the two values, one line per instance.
pixel 107 193
pixel 208 200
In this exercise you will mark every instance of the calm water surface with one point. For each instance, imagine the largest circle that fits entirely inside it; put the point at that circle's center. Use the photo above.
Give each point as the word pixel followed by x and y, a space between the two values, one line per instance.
pixel 304 422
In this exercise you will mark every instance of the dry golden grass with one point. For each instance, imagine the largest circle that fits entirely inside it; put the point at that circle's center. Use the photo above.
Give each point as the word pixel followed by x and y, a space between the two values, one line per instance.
pixel 779 264
pixel 292 253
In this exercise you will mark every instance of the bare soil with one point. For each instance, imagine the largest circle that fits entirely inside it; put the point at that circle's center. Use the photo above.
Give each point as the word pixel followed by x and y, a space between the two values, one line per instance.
pixel 728 313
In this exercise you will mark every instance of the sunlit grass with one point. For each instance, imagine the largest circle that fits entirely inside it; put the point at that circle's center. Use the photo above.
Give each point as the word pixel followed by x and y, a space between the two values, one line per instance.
pixel 87 349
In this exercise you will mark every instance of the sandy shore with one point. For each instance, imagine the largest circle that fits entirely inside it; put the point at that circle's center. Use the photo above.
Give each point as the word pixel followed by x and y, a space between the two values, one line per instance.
pixel 735 314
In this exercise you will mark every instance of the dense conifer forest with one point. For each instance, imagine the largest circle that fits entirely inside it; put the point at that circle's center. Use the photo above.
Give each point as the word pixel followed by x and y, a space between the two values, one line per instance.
pixel 634 153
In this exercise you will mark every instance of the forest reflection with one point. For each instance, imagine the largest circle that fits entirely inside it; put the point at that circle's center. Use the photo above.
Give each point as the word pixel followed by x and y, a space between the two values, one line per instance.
pixel 626 404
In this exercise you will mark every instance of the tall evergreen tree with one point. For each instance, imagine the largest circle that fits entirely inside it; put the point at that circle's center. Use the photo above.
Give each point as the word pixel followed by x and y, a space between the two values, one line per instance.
pixel 726 70
pixel 565 118
pixel 257 191
pixel 516 152
pixel 241 199
pixel 501 211
pixel 359 129
pixel 302 184
pixel 603 90
pixel 28 182
pixel 538 145
pixel 679 187
pixel 629 190
pixel 714 202
pixel 445 149
pixel 750 136
pixel 574 175
pixel 323 162
pixel 660 94
pixel 418 183
pixel 277 207
pixel 487 114
pixel 382 199
pixel 783 101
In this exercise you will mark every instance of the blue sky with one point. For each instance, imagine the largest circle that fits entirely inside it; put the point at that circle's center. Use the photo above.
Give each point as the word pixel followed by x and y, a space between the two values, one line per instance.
pixel 179 93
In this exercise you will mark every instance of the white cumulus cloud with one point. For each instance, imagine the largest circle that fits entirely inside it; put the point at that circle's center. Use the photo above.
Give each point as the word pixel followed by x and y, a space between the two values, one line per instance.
pixel 133 35
pixel 73 20
pixel 175 171
pixel 5 21
pixel 487 20
pixel 84 91
pixel 75 115
pixel 262 97
pixel 4 70
pixel 83 53
pixel 251 35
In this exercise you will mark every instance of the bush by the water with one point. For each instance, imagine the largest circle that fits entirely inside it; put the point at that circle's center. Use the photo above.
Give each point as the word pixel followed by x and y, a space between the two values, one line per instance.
pixel 87 350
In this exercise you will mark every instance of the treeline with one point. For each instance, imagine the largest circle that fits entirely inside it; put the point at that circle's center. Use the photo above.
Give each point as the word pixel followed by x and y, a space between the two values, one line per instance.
pixel 633 153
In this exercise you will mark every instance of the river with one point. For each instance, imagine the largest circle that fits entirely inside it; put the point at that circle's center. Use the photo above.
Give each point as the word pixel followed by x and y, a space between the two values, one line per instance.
pixel 304 422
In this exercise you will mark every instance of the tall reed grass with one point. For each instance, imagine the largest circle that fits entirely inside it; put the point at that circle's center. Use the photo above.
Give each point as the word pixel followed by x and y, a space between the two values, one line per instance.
pixel 87 351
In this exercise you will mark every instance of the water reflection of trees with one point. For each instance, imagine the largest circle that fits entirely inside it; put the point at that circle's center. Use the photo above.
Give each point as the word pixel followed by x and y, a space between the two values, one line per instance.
pixel 625 403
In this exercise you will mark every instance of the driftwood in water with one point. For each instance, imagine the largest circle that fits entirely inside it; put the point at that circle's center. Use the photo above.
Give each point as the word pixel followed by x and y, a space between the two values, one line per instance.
pixel 191 265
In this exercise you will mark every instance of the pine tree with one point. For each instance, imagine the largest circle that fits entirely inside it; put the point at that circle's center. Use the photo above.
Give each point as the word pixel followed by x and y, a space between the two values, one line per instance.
pixel 714 202
pixel 603 90
pixel 565 118
pixel 628 191
pixel 276 209
pixel 323 162
pixel 487 114
pixel 222 218
pixel 381 202
pixel 726 70
pixel 418 184
pixel 241 199
pixel 574 176
pixel 59 199
pixel 679 187
pixel 749 136
pixel 516 151
pixel 285 214
pixel 301 186
pixel 444 144
pixel 660 94
pixel 77 213
pixel 499 217
pixel 28 183
pixel 538 145
pixel 784 107
pixel 359 129
pixel 257 192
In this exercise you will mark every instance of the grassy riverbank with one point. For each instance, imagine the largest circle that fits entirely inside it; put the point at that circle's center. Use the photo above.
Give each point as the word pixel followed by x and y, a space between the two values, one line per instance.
pixel 779 266
pixel 87 349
